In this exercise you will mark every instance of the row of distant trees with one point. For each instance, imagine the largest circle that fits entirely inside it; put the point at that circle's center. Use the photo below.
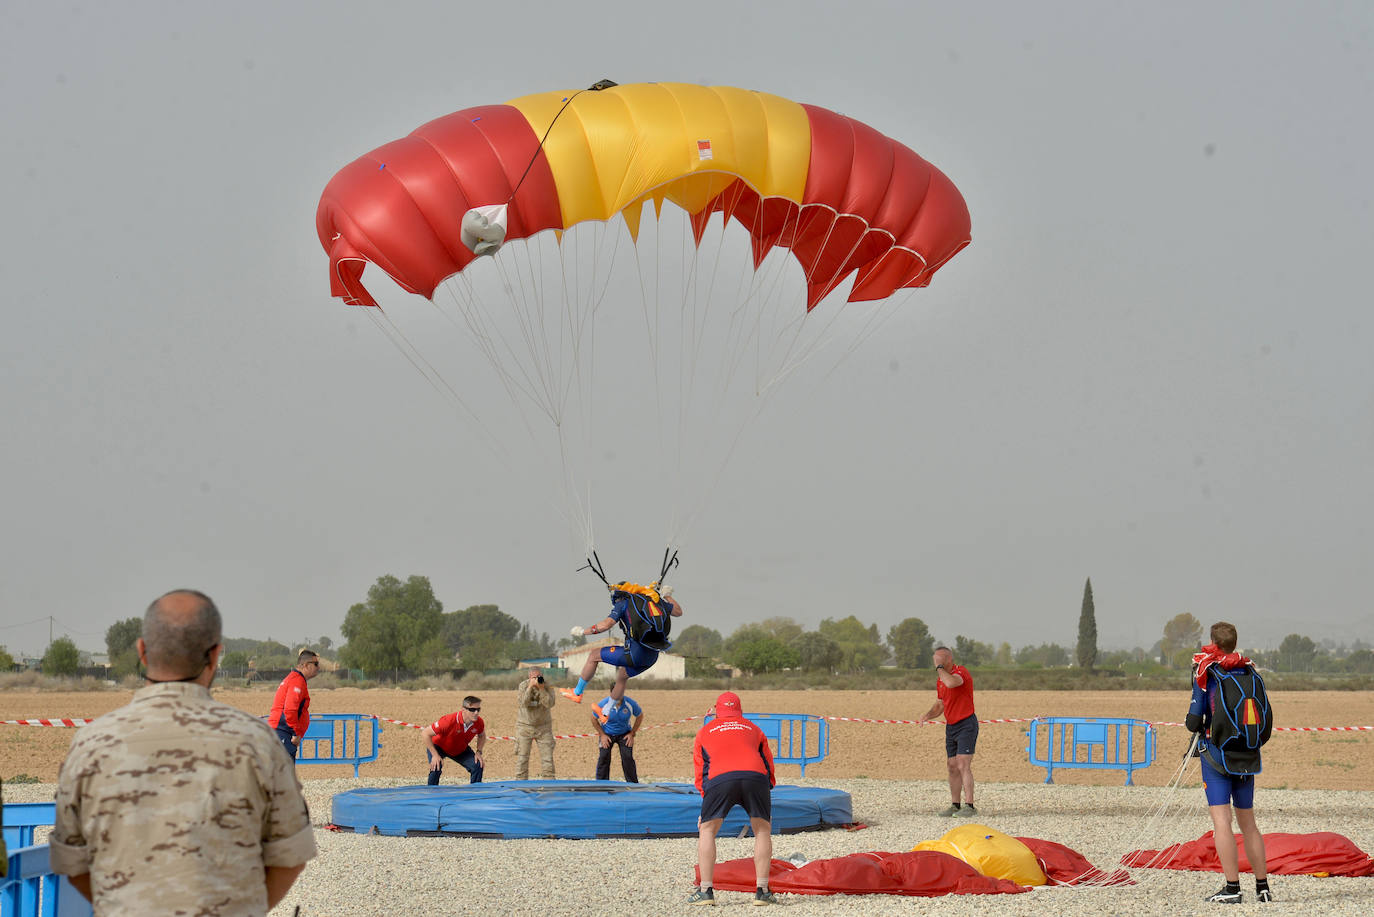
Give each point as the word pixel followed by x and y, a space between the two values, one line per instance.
pixel 402 628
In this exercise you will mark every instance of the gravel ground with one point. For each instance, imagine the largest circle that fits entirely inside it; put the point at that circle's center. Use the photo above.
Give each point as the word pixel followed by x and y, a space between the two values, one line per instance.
pixel 369 875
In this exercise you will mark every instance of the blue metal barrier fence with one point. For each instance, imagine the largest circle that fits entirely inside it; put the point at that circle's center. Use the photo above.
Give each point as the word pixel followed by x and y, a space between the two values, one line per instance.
pixel 1090 742
pixel 348 738
pixel 791 736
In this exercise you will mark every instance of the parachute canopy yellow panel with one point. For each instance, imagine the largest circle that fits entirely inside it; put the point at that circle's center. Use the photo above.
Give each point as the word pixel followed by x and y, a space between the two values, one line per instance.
pixel 991 852
pixel 842 197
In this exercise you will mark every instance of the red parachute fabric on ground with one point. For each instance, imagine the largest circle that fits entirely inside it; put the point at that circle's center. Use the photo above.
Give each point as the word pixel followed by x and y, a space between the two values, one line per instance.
pixel 1319 853
pixel 926 873
pixel 1066 866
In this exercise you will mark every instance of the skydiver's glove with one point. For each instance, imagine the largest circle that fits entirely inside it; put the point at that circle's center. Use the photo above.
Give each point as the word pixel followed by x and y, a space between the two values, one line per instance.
pixel 665 591
pixel 578 630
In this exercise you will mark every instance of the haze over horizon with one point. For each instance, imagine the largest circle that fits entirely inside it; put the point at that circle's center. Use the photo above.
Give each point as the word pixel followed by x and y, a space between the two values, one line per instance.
pixel 1151 367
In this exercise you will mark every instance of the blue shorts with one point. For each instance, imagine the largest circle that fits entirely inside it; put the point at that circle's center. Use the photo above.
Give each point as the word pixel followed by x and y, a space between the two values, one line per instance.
pixel 961 737
pixel 632 659
pixel 1225 789
pixel 751 792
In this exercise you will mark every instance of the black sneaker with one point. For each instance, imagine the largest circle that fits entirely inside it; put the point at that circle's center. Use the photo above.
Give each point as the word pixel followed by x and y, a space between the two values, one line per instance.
pixel 1264 894
pixel 764 896
pixel 702 896
pixel 1225 896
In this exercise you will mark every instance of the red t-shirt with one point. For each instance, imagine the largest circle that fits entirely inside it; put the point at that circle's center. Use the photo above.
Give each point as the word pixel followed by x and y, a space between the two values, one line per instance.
pixel 452 737
pixel 729 745
pixel 958 701
pixel 292 704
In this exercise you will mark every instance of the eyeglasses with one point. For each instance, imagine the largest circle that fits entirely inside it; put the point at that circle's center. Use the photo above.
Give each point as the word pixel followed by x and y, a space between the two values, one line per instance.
pixel 474 709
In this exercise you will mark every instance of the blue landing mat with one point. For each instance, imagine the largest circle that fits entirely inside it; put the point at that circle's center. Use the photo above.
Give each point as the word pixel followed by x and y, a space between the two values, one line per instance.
pixel 569 808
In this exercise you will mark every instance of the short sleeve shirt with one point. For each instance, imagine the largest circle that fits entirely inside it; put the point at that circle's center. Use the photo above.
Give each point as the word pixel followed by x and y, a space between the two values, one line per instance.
pixel 620 719
pixel 177 797
pixel 958 701
pixel 452 737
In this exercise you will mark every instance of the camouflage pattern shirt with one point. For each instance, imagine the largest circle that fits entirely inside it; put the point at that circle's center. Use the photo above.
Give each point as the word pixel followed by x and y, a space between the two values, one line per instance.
pixel 176 804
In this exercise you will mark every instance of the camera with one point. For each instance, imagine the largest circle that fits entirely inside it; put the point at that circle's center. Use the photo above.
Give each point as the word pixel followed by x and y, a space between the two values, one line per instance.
pixel 541 679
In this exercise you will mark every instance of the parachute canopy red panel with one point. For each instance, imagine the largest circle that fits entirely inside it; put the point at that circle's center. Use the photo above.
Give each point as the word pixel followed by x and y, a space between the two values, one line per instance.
pixel 842 197
pixel 921 873
pixel 1321 853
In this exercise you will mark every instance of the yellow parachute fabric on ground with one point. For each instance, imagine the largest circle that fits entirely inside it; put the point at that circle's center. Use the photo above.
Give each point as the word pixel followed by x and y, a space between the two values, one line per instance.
pixel 990 852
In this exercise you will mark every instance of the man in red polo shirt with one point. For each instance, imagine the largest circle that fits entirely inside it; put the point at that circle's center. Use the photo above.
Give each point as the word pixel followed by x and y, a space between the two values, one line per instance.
pixel 954 698
pixel 733 767
pixel 451 737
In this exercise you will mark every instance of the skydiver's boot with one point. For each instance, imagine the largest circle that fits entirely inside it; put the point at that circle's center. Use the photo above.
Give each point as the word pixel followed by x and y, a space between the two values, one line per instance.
pixel 1229 894
pixel 575 695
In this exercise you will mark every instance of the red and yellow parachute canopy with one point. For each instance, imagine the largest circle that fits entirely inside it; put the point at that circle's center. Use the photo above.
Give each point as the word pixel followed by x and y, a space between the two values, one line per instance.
pixel 843 198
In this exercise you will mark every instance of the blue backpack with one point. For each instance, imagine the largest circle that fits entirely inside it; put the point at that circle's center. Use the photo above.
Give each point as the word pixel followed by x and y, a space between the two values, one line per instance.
pixel 1242 720
pixel 646 622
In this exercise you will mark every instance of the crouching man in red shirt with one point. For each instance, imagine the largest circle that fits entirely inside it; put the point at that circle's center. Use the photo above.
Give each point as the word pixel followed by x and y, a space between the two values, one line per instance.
pixel 734 767
pixel 452 736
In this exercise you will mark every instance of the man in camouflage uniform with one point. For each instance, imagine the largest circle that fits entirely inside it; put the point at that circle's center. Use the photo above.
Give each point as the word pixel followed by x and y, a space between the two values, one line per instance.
pixel 177 803
pixel 534 723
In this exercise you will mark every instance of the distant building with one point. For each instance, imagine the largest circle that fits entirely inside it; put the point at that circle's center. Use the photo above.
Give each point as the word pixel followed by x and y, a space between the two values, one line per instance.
pixel 670 667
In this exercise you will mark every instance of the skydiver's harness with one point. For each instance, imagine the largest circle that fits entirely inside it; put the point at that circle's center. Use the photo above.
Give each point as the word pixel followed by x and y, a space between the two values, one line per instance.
pixel 648 619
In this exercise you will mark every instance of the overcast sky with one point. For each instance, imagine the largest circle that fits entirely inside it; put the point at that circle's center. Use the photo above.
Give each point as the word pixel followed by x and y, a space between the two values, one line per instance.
pixel 1152 367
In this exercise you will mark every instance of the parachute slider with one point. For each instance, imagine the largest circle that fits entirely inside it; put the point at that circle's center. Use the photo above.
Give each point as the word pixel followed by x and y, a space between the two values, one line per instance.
pixel 484 229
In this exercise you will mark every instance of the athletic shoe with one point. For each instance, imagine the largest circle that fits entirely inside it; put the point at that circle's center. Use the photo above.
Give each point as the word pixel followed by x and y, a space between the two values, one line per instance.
pixel 1225 896
pixel 968 811
pixel 763 896
pixel 951 812
pixel 702 896
pixel 1264 894
pixel 571 695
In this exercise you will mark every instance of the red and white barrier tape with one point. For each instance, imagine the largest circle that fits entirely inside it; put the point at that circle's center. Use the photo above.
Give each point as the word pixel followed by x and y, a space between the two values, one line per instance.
pixel 571 735
pixel 74 722
pixel 1300 728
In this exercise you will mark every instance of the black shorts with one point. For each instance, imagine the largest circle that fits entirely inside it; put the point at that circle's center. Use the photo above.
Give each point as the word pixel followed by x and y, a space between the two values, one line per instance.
pixel 961 737
pixel 750 792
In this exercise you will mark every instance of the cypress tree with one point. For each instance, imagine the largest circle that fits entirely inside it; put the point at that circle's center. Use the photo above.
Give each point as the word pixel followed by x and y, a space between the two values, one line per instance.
pixel 1087 629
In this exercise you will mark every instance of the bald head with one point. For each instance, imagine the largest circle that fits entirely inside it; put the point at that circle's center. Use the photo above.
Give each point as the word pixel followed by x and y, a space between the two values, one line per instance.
pixel 179 630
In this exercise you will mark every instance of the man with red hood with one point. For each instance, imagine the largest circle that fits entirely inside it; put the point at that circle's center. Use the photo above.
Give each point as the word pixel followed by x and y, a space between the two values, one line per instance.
pixel 733 767
pixel 1228 775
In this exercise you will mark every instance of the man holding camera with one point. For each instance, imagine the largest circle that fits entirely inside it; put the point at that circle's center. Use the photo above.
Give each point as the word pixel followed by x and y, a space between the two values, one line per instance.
pixel 534 723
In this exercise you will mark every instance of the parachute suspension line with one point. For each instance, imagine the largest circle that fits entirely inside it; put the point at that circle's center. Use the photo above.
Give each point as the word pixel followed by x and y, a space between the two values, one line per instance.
pixel 1158 816
pixel 432 376
pixel 653 326
pixel 581 299
pixel 594 564
pixel 570 509
pixel 493 344
pixel 877 317
pixel 594 87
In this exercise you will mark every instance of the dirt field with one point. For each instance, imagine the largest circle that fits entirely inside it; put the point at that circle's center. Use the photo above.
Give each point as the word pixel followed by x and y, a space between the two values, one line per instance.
pixel 1293 760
